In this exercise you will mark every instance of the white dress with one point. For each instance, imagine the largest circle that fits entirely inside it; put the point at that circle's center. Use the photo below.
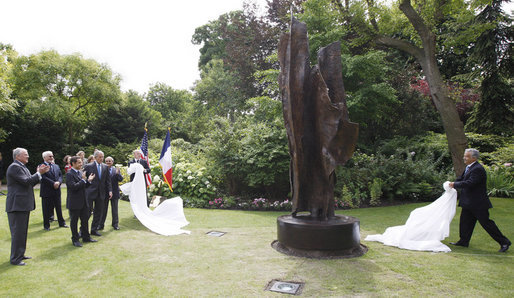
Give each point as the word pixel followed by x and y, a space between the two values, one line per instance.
pixel 425 227
pixel 166 219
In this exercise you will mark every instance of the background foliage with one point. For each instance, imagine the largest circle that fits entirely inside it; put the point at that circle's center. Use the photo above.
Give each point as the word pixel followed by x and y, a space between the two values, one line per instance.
pixel 229 144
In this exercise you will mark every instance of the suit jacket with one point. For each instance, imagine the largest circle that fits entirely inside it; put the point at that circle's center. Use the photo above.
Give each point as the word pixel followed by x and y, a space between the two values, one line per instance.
pixel 20 188
pixel 47 182
pixel 76 190
pixel 473 186
pixel 144 164
pixel 100 186
pixel 115 180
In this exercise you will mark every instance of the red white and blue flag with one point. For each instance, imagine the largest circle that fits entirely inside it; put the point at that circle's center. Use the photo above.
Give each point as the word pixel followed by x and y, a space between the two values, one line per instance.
pixel 144 156
pixel 166 162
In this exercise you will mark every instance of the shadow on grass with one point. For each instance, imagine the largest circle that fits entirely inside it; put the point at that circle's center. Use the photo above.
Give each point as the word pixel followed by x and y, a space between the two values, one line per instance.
pixel 57 252
pixel 5 266
pixel 34 234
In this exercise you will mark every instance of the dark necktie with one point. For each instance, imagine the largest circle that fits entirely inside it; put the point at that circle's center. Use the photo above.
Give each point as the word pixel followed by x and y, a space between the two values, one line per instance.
pixel 99 171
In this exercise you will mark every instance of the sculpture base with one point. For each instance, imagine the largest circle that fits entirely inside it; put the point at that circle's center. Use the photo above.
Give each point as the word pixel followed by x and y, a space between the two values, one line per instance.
pixel 303 236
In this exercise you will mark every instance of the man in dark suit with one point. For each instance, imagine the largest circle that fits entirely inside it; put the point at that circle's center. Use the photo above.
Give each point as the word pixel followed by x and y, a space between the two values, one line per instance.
pixel 76 201
pixel 51 191
pixel 475 202
pixel 98 189
pixel 20 201
pixel 116 178
pixel 139 160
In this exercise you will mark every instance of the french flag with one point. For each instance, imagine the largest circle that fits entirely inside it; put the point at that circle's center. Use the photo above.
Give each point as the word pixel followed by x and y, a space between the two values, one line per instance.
pixel 165 161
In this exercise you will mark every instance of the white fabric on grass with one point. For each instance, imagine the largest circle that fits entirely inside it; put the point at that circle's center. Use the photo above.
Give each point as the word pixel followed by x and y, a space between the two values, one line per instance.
pixel 166 219
pixel 425 227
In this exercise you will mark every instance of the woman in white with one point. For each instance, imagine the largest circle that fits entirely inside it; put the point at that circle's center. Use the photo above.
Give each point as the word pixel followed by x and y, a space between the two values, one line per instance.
pixel 166 219
pixel 425 227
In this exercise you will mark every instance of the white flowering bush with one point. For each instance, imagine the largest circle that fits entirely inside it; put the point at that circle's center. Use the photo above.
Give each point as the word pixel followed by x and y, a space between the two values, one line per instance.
pixel 191 181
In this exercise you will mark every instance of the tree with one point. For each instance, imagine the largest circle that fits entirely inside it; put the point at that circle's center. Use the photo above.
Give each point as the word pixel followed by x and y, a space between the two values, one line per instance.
pixel 218 90
pixel 415 32
pixel 124 121
pixel 242 40
pixel 7 105
pixel 279 12
pixel 66 88
pixel 176 107
pixel 493 51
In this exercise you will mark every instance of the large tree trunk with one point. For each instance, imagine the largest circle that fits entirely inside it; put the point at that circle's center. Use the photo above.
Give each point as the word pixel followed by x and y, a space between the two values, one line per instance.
pixel 426 56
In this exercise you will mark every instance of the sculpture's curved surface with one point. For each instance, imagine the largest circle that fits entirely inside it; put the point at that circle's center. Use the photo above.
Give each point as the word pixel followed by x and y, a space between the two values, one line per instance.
pixel 319 131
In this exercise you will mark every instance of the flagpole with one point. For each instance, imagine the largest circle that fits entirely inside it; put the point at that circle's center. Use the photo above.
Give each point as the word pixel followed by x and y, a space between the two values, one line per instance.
pixel 170 184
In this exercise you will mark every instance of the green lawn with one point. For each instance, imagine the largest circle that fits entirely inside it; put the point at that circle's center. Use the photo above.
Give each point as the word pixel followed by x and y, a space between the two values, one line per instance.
pixel 136 262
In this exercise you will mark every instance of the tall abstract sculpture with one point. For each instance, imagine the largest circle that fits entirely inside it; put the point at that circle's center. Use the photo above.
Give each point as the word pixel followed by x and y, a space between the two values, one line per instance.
pixel 321 137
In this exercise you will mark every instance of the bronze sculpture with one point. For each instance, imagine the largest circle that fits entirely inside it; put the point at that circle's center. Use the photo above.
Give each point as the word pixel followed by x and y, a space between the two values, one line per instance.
pixel 320 137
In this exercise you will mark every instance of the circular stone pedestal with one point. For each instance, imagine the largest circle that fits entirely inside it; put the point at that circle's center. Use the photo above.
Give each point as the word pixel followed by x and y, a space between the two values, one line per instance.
pixel 303 236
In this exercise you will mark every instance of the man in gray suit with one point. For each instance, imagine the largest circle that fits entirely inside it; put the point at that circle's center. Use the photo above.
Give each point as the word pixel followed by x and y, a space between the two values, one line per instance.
pixel 99 189
pixel 20 201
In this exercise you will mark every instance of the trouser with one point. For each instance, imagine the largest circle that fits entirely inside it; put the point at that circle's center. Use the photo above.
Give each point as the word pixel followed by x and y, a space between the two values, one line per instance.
pixel 114 212
pixel 468 219
pixel 47 205
pixel 18 224
pixel 96 206
pixel 83 215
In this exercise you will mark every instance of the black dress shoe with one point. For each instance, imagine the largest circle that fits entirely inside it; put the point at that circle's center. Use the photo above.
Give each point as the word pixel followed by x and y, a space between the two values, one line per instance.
pixel 504 247
pixel 77 244
pixel 116 228
pixel 63 226
pixel 47 229
pixel 26 258
pixel 89 240
pixel 96 233
pixel 458 243
pixel 19 264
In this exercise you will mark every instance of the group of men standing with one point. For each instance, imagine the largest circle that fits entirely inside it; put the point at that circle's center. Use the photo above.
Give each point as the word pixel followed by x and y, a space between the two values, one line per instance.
pixel 90 188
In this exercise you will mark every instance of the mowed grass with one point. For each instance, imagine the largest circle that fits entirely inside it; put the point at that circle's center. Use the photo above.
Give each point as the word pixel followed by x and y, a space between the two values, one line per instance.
pixel 135 262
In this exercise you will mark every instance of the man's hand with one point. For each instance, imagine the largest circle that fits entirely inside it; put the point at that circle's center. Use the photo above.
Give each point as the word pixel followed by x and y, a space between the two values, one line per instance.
pixel 56 184
pixel 91 177
pixel 451 184
pixel 43 169
pixel 110 195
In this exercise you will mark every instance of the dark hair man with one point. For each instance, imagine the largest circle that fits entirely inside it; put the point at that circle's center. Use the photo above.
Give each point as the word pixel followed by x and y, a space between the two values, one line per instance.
pixel 76 201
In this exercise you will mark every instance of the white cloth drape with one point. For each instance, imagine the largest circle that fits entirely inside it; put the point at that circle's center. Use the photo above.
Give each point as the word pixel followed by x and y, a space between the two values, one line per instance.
pixel 425 227
pixel 166 219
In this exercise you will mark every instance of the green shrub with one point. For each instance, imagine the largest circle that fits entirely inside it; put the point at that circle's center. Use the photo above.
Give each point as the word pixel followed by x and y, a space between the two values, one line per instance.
pixel 375 191
pixel 499 157
pixel 346 197
pixel 246 157
pixel 403 176
pixel 191 181
pixel 486 143
pixel 500 181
